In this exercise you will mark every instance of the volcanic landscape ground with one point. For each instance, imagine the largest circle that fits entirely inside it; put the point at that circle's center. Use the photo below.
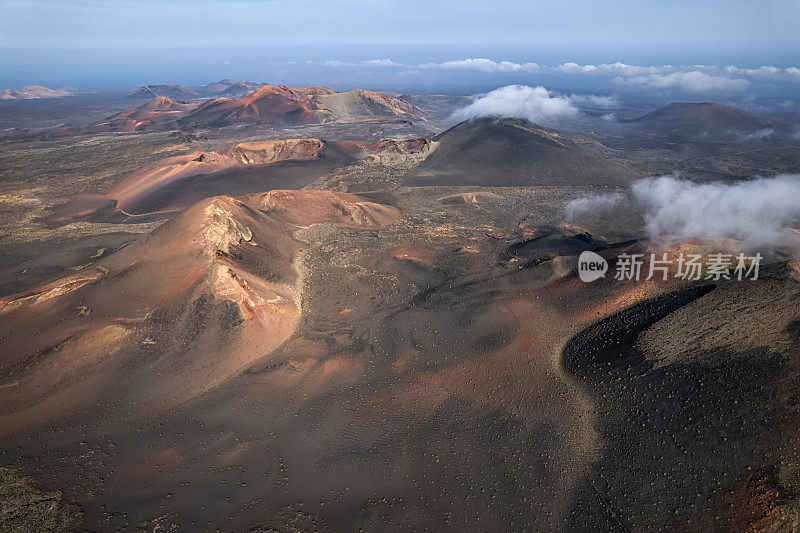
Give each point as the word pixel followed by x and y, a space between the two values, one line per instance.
pixel 204 330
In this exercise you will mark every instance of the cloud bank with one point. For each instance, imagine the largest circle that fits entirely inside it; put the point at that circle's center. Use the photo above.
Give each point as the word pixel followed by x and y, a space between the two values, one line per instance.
pixel 688 78
pixel 536 104
pixel 760 213
pixel 369 63
pixel 484 65
pixel 694 81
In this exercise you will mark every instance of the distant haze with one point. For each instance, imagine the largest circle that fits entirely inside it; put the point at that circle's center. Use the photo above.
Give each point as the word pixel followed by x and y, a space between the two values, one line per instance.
pixel 666 47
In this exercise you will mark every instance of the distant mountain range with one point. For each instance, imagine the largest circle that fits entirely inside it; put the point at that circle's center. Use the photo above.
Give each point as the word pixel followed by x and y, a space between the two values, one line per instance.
pixel 226 87
pixel 32 92
pixel 270 104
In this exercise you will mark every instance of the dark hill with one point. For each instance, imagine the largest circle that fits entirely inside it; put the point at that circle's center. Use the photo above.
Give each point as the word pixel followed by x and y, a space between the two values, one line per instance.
pixel 681 118
pixel 515 152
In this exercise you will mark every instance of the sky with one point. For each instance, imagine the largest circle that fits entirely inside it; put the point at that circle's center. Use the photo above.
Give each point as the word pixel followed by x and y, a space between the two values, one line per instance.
pixel 689 46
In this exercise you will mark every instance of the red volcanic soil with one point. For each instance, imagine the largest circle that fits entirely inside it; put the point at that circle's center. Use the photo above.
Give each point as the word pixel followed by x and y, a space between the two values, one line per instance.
pixel 271 103
pixel 396 105
pixel 316 90
pixel 756 505
pixel 275 104
pixel 285 105
pixel 84 206
pixel 297 207
pixel 151 178
pixel 158 113
pixel 266 152
pixel 176 182
pixel 160 173
pixel 222 273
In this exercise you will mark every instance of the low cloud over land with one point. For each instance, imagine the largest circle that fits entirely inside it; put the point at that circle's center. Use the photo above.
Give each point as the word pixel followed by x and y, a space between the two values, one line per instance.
pixel 760 213
pixel 536 104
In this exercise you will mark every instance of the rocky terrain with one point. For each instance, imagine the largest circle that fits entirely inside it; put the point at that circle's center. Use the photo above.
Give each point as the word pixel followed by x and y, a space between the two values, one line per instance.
pixel 343 321
pixel 159 113
pixel 287 106
pixel 177 182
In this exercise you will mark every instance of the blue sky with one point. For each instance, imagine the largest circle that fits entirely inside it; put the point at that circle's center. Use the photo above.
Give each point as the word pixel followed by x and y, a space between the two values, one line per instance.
pixel 126 43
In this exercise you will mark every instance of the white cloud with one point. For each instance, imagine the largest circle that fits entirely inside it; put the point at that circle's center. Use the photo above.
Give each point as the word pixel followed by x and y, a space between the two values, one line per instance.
pixel 484 65
pixel 756 212
pixel 574 68
pixel 382 63
pixel 765 72
pixel 536 104
pixel 627 71
pixel 765 133
pixel 694 81
pixel 593 205
pixel 760 213
pixel 693 78
pixel 620 69
pixel 689 77
pixel 594 100
pixel 368 63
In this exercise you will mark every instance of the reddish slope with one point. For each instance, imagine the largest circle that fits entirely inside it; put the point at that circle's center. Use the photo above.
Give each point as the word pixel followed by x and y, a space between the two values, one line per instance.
pixel 378 103
pixel 218 279
pixel 159 113
pixel 273 104
pixel 172 183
